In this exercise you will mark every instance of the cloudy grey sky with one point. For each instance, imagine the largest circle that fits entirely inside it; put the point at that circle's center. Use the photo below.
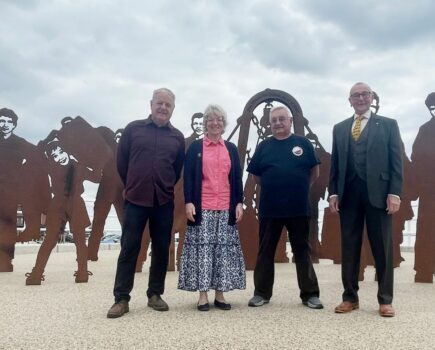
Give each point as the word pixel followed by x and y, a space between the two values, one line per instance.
pixel 101 59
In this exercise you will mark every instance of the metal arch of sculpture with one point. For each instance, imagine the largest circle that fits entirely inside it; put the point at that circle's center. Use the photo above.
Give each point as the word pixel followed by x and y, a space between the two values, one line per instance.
pixel 266 96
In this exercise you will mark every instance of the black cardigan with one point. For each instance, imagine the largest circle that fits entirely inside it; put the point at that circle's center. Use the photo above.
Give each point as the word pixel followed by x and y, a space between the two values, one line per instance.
pixel 193 180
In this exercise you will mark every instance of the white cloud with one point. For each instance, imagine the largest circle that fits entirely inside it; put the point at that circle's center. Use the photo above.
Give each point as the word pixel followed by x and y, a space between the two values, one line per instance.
pixel 102 59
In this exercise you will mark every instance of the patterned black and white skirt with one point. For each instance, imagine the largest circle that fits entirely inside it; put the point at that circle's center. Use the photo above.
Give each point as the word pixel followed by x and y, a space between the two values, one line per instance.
pixel 212 257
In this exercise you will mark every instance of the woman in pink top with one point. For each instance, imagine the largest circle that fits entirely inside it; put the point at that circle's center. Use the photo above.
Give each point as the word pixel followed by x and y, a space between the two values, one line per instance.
pixel 212 257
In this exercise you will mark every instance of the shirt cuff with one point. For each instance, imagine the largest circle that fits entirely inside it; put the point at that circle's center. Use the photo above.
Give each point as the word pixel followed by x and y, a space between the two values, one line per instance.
pixel 394 195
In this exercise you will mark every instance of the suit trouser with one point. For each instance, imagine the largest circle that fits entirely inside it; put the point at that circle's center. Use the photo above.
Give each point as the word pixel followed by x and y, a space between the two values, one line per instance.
pixel 270 233
pixel 135 219
pixel 355 207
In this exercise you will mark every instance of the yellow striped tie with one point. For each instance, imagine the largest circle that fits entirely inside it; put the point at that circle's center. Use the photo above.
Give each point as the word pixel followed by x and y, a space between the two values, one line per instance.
pixel 356 131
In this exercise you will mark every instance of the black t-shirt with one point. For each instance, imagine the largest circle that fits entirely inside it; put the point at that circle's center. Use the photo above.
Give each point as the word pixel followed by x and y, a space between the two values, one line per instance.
pixel 284 167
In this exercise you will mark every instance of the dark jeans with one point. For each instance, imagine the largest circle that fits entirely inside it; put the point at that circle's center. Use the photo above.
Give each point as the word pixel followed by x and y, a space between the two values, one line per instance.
pixel 264 273
pixel 135 219
pixel 355 209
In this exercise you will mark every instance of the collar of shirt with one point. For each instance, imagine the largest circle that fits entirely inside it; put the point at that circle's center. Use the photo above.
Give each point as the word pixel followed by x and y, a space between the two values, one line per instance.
pixel 208 142
pixel 150 121
pixel 366 115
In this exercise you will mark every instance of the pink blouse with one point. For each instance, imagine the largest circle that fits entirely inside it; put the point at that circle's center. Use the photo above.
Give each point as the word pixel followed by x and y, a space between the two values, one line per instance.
pixel 216 166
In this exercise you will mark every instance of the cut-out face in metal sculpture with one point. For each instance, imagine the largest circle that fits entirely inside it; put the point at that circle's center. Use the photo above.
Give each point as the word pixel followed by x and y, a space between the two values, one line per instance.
pixel 7 125
pixel 58 155
pixel 196 125
pixel 430 103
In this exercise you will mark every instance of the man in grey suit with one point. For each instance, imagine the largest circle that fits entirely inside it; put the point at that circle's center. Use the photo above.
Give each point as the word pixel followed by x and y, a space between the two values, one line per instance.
pixel 365 187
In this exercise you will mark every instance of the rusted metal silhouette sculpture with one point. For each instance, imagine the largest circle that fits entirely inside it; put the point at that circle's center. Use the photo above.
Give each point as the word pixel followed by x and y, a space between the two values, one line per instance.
pixel 70 163
pixel 423 168
pixel 64 158
pixel 405 212
pixel 317 192
pixel 24 183
pixel 249 225
pixel 109 193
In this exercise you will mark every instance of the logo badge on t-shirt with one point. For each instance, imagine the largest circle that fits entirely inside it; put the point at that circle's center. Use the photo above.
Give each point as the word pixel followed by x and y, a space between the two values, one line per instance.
pixel 297 151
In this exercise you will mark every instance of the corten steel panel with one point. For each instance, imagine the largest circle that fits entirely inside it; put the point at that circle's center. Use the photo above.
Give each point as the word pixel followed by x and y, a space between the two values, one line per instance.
pixel 109 192
pixel 423 170
pixel 23 184
pixel 70 163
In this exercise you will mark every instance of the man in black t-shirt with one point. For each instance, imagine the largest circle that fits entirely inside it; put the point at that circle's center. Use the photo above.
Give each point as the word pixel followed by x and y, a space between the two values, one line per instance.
pixel 285 166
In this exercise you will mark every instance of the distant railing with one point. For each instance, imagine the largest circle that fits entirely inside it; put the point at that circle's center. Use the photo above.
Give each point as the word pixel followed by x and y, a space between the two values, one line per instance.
pixel 113 226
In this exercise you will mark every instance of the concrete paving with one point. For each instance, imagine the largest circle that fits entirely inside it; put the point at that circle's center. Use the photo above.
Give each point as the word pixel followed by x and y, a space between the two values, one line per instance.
pixel 60 314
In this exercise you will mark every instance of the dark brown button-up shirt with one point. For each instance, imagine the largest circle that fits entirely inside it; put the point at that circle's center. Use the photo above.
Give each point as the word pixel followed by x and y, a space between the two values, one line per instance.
pixel 149 161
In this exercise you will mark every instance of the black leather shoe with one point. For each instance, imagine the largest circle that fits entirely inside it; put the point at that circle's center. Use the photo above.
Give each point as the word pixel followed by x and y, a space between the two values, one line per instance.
pixel 157 303
pixel 203 307
pixel 222 306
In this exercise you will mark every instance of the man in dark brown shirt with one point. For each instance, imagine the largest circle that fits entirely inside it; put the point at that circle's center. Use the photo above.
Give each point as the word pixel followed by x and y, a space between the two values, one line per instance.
pixel 150 158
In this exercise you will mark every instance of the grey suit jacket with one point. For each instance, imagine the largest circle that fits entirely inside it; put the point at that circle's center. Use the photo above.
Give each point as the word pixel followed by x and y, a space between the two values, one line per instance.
pixel 384 159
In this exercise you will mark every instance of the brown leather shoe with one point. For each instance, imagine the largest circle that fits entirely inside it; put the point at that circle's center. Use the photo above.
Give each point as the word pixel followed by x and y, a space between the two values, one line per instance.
pixel 386 310
pixel 118 309
pixel 346 306
pixel 157 303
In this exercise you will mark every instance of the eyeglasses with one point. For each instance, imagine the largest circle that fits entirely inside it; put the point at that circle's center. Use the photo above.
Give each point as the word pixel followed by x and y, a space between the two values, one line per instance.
pixel 218 119
pixel 277 120
pixel 363 94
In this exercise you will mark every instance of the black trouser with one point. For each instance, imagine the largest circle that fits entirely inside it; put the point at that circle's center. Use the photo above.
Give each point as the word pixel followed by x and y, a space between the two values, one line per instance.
pixel 160 223
pixel 354 208
pixel 270 233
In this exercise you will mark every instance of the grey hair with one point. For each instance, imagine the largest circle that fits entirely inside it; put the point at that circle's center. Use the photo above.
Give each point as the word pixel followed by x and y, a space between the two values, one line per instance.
pixel 218 111
pixel 273 109
pixel 361 83
pixel 169 92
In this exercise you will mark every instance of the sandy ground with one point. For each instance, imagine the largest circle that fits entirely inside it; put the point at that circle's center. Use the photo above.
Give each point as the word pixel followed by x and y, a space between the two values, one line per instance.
pixel 60 314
